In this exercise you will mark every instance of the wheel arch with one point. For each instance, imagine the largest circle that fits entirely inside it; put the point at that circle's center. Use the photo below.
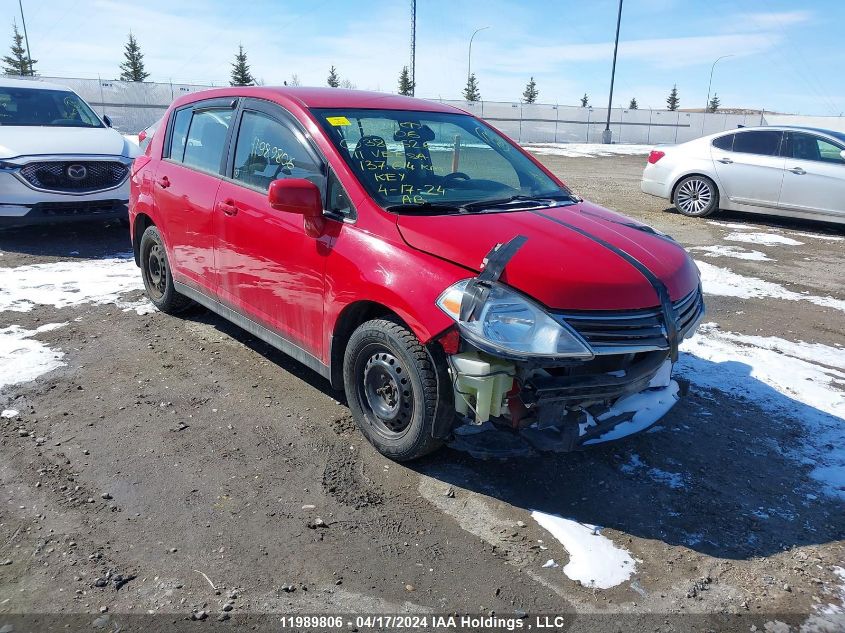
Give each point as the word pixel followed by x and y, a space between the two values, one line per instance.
pixel 142 222
pixel 349 319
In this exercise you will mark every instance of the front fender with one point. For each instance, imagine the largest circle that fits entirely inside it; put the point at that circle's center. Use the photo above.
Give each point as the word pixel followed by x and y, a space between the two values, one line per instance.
pixel 364 267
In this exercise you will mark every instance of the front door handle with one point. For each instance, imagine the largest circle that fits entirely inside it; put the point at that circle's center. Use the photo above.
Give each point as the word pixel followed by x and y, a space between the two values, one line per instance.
pixel 163 182
pixel 228 207
pixel 798 170
pixel 725 160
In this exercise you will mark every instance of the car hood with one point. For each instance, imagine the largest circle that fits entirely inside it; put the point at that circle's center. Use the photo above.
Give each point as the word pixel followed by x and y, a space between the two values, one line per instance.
pixel 40 140
pixel 562 267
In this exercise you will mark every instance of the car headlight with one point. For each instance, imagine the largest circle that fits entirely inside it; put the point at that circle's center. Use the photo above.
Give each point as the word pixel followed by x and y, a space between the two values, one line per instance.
pixel 510 324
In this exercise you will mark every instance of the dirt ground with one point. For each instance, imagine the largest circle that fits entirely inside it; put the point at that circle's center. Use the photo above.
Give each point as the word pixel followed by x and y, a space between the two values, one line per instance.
pixel 178 465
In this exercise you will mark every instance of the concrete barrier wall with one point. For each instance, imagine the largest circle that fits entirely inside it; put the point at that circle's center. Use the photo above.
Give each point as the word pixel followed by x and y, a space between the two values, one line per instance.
pixel 133 106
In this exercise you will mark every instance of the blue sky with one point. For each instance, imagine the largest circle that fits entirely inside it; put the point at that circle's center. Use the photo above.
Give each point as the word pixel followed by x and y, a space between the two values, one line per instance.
pixel 787 56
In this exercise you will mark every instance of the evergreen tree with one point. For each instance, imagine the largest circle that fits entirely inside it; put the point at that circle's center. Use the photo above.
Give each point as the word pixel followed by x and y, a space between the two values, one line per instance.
pixel 133 68
pixel 530 94
pixel 585 101
pixel 714 103
pixel 406 86
pixel 672 101
pixel 471 92
pixel 18 63
pixel 240 70
pixel 333 79
pixel 634 105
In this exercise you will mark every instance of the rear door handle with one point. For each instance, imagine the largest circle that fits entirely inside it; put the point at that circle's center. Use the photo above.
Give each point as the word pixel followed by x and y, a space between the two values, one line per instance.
pixel 163 182
pixel 798 170
pixel 726 160
pixel 228 207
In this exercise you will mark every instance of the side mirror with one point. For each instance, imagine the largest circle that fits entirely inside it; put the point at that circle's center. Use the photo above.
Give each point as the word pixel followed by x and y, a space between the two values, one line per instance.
pixel 297 195
pixel 107 120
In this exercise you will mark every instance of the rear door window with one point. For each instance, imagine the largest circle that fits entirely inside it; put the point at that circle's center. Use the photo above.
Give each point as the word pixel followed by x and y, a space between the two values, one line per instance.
pixel 761 142
pixel 206 140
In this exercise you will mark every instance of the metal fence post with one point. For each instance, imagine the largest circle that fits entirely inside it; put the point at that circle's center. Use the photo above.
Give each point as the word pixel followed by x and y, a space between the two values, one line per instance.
pixel 557 118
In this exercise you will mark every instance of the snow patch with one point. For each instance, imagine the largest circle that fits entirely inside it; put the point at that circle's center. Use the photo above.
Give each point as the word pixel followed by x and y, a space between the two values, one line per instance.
pixel 70 283
pixel 587 150
pixel 730 225
pixel 737 252
pixel 22 358
pixel 9 413
pixel 647 407
pixel 675 481
pixel 593 559
pixel 768 239
pixel 726 283
pixel 803 383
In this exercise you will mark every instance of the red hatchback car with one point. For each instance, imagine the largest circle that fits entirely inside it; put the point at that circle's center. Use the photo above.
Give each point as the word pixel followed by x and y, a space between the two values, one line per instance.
pixel 419 259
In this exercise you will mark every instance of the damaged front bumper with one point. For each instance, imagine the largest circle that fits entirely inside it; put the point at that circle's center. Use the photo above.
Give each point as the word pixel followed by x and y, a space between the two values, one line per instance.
pixel 567 413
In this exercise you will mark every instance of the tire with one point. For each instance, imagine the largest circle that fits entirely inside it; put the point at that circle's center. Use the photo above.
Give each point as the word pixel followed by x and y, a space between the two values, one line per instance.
pixel 391 385
pixel 155 270
pixel 696 196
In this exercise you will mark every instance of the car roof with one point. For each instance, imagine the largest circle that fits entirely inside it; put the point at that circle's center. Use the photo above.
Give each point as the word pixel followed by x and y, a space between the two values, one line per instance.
pixel 325 98
pixel 802 128
pixel 35 84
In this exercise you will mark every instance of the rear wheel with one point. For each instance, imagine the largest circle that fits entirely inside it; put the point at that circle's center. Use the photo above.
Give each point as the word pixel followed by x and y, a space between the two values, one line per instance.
pixel 391 385
pixel 155 270
pixel 696 196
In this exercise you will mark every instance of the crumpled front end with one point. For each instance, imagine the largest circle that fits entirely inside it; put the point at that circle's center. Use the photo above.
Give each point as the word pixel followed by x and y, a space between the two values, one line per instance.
pixel 528 379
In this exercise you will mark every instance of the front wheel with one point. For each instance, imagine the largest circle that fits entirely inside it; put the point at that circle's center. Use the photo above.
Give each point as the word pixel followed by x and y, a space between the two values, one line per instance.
pixel 391 385
pixel 696 196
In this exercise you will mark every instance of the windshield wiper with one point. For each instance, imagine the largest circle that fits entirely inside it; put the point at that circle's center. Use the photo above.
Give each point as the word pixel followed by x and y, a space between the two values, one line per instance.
pixel 426 206
pixel 543 201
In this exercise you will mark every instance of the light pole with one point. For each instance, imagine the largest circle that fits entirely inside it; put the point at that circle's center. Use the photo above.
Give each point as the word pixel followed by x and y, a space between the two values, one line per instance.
pixel 26 39
pixel 710 83
pixel 607 135
pixel 413 46
pixel 469 55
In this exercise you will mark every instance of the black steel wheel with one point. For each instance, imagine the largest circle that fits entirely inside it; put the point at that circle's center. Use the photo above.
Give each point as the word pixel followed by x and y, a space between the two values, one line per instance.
pixel 155 271
pixel 391 385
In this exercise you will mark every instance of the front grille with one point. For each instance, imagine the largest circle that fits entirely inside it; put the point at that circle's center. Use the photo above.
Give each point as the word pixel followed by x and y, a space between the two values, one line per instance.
pixel 75 176
pixel 610 332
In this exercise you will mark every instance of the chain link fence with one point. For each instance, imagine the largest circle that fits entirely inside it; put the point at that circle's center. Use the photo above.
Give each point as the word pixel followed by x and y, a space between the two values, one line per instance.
pixel 133 106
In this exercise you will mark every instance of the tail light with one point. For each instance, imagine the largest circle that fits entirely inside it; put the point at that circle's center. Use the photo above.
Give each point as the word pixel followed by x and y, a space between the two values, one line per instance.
pixel 142 136
pixel 655 156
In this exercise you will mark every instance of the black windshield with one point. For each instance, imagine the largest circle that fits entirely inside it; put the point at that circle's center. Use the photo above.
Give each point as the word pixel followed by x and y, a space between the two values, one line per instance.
pixel 431 160
pixel 54 108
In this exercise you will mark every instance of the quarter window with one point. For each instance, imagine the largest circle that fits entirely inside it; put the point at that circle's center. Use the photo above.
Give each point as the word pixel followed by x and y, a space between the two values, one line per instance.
pixel 724 142
pixel 762 142
pixel 268 150
pixel 207 139
pixel 179 135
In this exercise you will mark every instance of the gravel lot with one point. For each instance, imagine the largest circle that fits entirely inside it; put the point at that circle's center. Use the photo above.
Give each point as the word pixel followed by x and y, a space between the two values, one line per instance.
pixel 176 466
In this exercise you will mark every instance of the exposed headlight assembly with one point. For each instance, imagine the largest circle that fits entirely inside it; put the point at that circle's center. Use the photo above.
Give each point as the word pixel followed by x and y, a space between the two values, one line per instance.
pixel 508 324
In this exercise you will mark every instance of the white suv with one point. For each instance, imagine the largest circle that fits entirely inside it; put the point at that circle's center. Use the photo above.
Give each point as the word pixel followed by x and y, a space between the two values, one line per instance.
pixel 58 160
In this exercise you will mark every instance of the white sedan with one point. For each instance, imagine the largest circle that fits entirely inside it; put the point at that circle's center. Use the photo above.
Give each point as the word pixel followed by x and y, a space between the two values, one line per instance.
pixel 789 171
